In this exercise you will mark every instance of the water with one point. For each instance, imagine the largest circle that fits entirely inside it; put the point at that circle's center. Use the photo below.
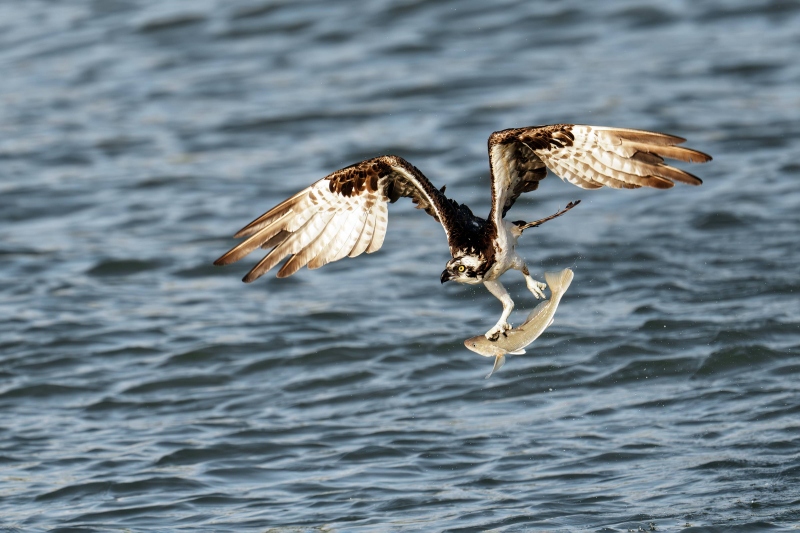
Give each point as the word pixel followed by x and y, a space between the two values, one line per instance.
pixel 142 389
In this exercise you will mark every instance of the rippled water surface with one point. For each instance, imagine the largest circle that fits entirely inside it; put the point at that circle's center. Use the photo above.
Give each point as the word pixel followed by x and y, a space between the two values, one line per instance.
pixel 142 389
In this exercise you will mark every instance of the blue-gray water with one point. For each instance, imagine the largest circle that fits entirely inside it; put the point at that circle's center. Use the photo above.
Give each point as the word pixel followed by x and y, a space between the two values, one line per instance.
pixel 142 389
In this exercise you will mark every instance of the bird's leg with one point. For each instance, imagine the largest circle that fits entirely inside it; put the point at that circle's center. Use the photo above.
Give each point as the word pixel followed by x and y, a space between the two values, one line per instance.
pixel 536 287
pixel 497 289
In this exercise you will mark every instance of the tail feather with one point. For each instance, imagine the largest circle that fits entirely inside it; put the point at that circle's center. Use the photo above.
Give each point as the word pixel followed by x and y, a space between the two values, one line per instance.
pixel 525 225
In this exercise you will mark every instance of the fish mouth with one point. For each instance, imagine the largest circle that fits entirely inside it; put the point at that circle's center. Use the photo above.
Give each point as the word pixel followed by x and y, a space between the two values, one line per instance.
pixel 473 346
pixel 473 349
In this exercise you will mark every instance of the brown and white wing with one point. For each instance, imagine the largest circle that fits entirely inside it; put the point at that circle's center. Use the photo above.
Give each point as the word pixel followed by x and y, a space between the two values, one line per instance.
pixel 587 156
pixel 341 215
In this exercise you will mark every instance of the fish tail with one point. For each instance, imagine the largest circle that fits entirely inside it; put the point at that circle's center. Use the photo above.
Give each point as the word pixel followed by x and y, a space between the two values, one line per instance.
pixel 558 281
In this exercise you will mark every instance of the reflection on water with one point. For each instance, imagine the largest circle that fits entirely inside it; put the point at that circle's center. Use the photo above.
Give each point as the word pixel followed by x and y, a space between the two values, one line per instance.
pixel 142 388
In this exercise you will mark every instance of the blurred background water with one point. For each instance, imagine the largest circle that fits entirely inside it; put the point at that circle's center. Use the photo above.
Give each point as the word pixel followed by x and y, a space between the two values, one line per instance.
pixel 142 389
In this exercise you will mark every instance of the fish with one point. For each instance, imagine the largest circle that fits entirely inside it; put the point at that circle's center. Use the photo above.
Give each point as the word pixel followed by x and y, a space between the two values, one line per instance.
pixel 515 340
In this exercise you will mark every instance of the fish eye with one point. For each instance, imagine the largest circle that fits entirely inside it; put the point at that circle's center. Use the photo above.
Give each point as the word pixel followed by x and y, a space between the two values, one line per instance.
pixel 461 268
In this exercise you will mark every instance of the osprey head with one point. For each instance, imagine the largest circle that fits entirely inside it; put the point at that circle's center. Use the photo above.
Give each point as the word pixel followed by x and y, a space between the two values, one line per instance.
pixel 464 269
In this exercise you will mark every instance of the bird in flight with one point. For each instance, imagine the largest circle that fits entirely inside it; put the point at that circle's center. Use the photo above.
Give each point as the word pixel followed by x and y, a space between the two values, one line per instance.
pixel 345 213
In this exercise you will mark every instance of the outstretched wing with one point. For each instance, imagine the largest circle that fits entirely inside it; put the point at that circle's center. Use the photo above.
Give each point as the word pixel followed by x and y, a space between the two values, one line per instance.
pixel 343 214
pixel 587 156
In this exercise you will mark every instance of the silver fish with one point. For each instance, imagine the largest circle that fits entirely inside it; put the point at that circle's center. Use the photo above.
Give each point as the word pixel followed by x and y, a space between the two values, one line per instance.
pixel 515 340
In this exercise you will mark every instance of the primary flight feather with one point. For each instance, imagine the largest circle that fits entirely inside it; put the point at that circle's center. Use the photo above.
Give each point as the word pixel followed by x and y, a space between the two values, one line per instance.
pixel 345 213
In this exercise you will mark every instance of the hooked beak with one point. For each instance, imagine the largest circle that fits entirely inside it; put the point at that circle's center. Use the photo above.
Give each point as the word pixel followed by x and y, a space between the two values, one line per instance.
pixel 446 276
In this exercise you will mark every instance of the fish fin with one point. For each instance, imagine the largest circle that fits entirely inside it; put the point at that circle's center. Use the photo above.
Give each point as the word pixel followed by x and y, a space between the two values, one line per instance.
pixel 518 352
pixel 536 310
pixel 558 281
pixel 498 362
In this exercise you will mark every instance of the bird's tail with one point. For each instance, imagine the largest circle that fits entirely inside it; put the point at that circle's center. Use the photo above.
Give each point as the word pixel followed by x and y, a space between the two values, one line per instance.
pixel 558 282
pixel 522 225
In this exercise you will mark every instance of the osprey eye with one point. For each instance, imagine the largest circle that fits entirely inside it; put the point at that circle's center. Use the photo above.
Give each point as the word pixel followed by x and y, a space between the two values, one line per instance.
pixel 461 268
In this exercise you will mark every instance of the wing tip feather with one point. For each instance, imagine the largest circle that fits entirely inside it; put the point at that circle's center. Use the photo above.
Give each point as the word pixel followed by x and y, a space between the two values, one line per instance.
pixel 702 157
pixel 250 277
pixel 229 257
pixel 657 182
pixel 677 174
pixel 288 269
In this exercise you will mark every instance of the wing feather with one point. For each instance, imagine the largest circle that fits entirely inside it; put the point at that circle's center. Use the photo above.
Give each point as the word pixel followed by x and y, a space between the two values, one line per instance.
pixel 588 156
pixel 294 243
pixel 381 223
pixel 342 238
pixel 340 231
pixel 295 263
pixel 269 231
pixel 275 240
pixel 280 210
pixel 356 225
pixel 344 214
pixel 328 238
pixel 615 179
pixel 308 253
pixel 261 237
pixel 609 168
pixel 365 237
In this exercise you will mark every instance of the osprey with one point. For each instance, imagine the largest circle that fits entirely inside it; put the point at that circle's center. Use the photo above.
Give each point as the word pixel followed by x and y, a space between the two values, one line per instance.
pixel 345 213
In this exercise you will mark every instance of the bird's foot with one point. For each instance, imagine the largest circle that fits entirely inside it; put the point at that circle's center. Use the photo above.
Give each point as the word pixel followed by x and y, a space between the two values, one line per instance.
pixel 494 333
pixel 536 287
